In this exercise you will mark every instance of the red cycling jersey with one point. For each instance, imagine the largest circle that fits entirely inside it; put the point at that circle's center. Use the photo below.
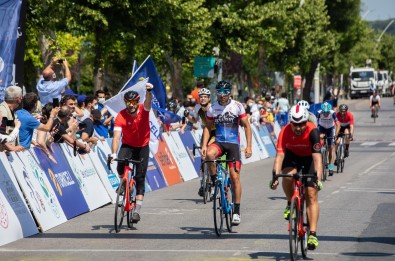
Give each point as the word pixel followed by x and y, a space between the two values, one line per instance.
pixel 348 119
pixel 135 131
pixel 302 145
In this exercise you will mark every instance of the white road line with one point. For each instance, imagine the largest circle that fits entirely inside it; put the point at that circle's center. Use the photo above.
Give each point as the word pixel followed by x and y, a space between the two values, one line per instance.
pixel 391 144
pixel 369 143
pixel 372 167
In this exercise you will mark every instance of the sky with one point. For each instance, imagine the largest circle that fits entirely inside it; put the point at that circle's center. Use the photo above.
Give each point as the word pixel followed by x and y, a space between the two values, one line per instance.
pixel 372 10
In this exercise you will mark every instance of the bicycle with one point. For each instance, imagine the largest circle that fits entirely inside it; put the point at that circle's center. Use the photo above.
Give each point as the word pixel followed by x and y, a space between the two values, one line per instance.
pixel 325 155
pixel 375 112
pixel 223 197
pixel 126 201
pixel 206 180
pixel 340 152
pixel 298 229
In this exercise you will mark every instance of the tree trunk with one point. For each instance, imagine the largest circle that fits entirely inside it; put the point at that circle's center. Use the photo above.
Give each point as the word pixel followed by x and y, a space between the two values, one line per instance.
pixel 261 68
pixel 309 80
pixel 97 69
pixel 175 76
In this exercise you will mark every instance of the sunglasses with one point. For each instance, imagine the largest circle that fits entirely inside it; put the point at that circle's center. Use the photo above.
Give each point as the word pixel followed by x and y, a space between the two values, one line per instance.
pixel 132 102
pixel 301 124
pixel 223 92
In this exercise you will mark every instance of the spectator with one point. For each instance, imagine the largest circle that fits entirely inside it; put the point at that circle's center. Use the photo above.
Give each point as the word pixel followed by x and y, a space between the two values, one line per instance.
pixel 102 126
pixel 29 123
pixel 81 104
pixel 62 134
pixel 12 101
pixel 195 92
pixel 48 87
pixel 174 107
pixel 87 128
pixel 70 100
pixel 90 103
pixel 281 109
pixel 189 106
pixel 44 139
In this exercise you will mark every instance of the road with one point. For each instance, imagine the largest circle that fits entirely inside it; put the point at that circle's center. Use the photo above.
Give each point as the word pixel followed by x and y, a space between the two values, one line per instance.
pixel 356 220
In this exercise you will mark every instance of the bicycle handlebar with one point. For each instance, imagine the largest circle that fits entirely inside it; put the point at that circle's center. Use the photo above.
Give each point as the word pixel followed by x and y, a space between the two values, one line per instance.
pixel 126 161
pixel 296 176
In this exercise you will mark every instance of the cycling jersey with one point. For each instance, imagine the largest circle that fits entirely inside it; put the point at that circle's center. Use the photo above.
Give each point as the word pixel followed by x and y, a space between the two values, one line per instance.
pixel 327 122
pixel 301 145
pixel 375 100
pixel 346 120
pixel 135 131
pixel 226 120
pixel 200 112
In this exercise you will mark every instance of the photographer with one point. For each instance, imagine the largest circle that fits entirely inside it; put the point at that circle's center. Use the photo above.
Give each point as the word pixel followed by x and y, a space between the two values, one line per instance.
pixel 48 87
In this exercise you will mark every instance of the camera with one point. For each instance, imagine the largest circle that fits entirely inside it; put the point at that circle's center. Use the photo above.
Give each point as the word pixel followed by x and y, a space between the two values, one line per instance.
pixel 60 61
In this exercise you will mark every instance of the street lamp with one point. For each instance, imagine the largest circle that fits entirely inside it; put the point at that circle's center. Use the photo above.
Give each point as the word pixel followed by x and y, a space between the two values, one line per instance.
pixel 385 29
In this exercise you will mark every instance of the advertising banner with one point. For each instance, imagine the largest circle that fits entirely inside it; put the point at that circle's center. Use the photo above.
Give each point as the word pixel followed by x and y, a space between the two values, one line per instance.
pixel 263 154
pixel 188 140
pixel 243 145
pixel 154 176
pixel 63 181
pixel 167 165
pixel 89 182
pixel 107 177
pixel 181 156
pixel 37 189
pixel 16 221
pixel 265 137
pixel 277 128
pixel 103 150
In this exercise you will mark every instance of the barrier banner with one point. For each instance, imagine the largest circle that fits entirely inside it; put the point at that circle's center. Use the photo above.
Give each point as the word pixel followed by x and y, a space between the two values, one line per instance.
pixel 37 189
pixel 277 128
pixel 108 178
pixel 263 154
pixel 243 146
pixel 154 177
pixel 188 140
pixel 103 150
pixel 63 181
pixel 167 164
pixel 88 180
pixel 16 221
pixel 197 135
pixel 181 156
pixel 265 137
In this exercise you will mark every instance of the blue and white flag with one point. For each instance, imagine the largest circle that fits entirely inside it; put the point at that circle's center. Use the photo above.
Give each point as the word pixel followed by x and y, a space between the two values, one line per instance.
pixel 148 70
pixel 9 20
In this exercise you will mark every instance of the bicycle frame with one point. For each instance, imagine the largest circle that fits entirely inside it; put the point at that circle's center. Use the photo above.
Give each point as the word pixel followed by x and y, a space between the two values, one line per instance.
pixel 128 175
pixel 223 181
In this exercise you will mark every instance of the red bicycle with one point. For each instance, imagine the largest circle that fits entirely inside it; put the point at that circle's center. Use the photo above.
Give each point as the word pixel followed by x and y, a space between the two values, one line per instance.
pixel 298 226
pixel 126 199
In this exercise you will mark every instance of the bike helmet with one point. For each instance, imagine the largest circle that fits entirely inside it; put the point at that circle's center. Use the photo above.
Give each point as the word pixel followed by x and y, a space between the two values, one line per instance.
pixel 224 86
pixel 326 107
pixel 204 91
pixel 131 96
pixel 343 107
pixel 304 103
pixel 172 105
pixel 299 114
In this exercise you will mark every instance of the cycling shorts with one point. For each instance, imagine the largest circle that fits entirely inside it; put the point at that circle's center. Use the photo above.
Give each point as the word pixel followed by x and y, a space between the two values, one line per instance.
pixel 330 133
pixel 306 164
pixel 374 103
pixel 342 130
pixel 232 151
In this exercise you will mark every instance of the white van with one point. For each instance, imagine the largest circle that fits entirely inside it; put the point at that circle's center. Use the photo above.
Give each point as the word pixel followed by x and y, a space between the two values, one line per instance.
pixel 384 83
pixel 363 80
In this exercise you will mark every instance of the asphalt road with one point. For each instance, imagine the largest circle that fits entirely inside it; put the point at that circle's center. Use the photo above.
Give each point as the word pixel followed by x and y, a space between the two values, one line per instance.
pixel 356 219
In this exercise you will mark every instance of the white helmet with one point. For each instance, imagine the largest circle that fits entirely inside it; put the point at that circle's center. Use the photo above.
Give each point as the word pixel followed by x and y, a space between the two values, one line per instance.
pixel 304 104
pixel 299 114
pixel 204 91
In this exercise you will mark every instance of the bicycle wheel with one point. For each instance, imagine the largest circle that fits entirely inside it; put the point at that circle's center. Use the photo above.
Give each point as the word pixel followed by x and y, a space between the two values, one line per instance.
pixel 342 159
pixel 338 158
pixel 293 229
pixel 204 184
pixel 132 201
pixel 324 164
pixel 374 115
pixel 229 205
pixel 304 237
pixel 218 212
pixel 120 206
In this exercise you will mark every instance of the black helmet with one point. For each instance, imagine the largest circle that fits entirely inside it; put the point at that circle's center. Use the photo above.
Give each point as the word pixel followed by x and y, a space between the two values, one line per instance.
pixel 172 105
pixel 224 85
pixel 131 96
pixel 343 107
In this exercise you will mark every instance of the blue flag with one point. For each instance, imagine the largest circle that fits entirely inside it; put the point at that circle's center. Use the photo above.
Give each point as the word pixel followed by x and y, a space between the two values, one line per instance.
pixel 148 70
pixel 9 20
pixel 166 116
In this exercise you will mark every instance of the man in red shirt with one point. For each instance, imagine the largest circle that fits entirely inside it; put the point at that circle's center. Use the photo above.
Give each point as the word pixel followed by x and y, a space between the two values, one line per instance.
pixel 132 123
pixel 299 147
pixel 346 120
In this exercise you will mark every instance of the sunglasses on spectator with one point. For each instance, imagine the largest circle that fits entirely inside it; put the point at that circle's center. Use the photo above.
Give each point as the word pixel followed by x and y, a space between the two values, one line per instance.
pixel 132 102
pixel 223 92
pixel 300 124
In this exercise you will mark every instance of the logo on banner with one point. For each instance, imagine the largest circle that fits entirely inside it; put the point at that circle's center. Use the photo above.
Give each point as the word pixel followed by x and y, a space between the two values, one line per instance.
pixel 34 195
pixel 3 215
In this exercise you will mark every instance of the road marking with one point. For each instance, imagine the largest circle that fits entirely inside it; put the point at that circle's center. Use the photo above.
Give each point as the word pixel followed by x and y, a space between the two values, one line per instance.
pixel 369 143
pixel 372 167
pixel 335 192
pixel 391 144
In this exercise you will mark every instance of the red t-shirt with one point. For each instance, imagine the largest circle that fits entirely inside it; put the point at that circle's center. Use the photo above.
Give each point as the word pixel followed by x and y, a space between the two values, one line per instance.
pixel 135 131
pixel 303 145
pixel 347 120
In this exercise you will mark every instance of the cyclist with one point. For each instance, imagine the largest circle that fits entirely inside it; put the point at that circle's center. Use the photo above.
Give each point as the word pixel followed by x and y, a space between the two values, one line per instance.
pixel 226 114
pixel 374 101
pixel 200 111
pixel 328 125
pixel 312 117
pixel 299 148
pixel 346 120
pixel 132 123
